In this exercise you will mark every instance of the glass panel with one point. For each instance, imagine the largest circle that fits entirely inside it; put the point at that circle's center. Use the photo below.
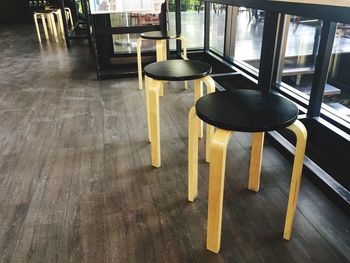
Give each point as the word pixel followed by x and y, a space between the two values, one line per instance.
pixel 127 42
pixel 192 22
pixel 217 27
pixel 337 91
pixel 134 19
pixel 300 53
pixel 250 25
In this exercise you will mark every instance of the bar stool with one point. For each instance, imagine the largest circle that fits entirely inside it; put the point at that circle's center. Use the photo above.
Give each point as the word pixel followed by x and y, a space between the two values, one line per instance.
pixel 173 70
pixel 244 111
pixel 43 16
pixel 161 49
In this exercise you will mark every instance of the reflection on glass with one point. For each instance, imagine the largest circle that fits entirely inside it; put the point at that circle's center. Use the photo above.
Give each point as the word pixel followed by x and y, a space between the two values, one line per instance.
pixel 217 27
pixel 339 77
pixel 250 25
pixel 192 23
pixel 301 52
pixel 127 42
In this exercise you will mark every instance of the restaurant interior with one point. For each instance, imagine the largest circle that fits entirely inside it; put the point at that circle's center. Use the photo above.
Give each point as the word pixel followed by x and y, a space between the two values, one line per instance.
pixel 175 131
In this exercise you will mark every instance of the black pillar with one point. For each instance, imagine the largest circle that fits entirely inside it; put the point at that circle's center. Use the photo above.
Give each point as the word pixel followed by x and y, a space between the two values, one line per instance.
pixel 268 51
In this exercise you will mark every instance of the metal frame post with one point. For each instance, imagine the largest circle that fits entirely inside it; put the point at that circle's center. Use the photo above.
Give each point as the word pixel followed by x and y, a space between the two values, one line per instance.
pixel 321 68
pixel 268 51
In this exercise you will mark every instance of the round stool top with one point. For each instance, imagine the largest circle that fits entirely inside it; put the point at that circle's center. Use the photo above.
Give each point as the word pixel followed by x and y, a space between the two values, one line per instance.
pixel 177 69
pixel 246 111
pixel 158 35
pixel 43 12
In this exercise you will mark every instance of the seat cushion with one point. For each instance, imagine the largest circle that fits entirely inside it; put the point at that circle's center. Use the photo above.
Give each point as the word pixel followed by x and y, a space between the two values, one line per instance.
pixel 158 35
pixel 177 69
pixel 246 111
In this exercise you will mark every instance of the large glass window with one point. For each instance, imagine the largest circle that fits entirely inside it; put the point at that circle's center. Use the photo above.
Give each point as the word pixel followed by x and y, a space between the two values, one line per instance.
pixel 217 27
pixel 192 22
pixel 298 53
pixel 126 43
pixel 338 84
pixel 249 31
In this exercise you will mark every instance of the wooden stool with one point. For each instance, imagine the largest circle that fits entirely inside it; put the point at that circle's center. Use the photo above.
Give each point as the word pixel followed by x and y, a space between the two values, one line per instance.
pixel 173 70
pixel 161 49
pixel 245 111
pixel 56 11
pixel 69 17
pixel 43 16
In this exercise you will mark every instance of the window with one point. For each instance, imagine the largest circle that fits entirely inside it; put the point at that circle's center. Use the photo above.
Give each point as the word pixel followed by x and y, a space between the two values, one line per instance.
pixel 338 84
pixel 126 43
pixel 299 52
pixel 192 22
pixel 217 27
pixel 249 31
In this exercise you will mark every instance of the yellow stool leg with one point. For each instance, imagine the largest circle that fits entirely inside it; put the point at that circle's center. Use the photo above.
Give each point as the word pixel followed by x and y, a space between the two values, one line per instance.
pixel 198 92
pixel 193 130
pixel 255 161
pixel 301 134
pixel 37 26
pixel 53 22
pixel 60 22
pixel 147 79
pixel 139 61
pixel 216 188
pixel 153 89
pixel 161 56
pixel 49 23
pixel 210 84
pixel 44 26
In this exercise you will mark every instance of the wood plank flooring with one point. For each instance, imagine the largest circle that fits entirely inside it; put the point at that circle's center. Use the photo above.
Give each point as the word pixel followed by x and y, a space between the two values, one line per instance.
pixel 76 183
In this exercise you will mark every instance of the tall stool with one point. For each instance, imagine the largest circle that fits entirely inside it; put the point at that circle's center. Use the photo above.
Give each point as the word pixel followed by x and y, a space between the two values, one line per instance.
pixel 173 70
pixel 43 16
pixel 161 49
pixel 244 111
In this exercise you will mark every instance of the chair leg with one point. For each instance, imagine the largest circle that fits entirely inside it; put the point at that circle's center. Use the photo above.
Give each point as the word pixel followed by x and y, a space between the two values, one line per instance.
pixel 161 56
pixel 53 22
pixel 139 61
pixel 49 23
pixel 153 89
pixel 216 188
pixel 255 161
pixel 60 22
pixel 147 79
pixel 301 134
pixel 193 131
pixel 37 26
pixel 210 84
pixel 43 20
pixel 198 92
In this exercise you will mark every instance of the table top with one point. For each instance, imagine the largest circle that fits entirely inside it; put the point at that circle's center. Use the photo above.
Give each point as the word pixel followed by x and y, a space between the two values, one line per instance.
pixel 246 111
pixel 177 70
pixel 158 35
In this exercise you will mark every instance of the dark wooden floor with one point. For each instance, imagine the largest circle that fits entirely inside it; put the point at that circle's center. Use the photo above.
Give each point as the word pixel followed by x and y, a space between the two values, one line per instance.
pixel 76 183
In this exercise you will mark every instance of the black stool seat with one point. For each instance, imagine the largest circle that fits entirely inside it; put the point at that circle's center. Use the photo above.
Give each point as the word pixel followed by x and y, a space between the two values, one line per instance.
pixel 246 111
pixel 158 35
pixel 177 69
